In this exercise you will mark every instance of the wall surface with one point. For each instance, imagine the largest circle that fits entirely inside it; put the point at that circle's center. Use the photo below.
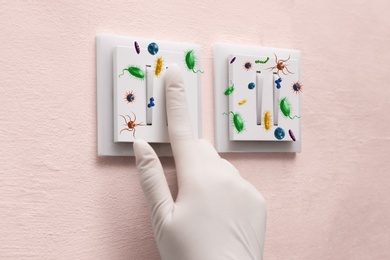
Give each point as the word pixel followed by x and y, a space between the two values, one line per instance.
pixel 58 200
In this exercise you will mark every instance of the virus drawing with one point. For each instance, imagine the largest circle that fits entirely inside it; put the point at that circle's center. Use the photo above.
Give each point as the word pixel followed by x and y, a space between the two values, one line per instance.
pixel 232 60
pixel 251 85
pixel 153 48
pixel 279 133
pixel 285 107
pixel 267 120
pixel 136 46
pixel 280 66
pixel 159 66
pixel 247 66
pixel 131 125
pixel 277 82
pixel 230 89
pixel 190 61
pixel 151 103
pixel 134 71
pixel 238 122
pixel 297 87
pixel 262 62
pixel 291 135
pixel 242 102
pixel 130 97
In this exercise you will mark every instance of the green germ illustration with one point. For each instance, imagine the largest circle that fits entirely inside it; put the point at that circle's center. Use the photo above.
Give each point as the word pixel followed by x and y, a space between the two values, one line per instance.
pixel 262 62
pixel 135 71
pixel 238 122
pixel 190 61
pixel 285 107
pixel 230 89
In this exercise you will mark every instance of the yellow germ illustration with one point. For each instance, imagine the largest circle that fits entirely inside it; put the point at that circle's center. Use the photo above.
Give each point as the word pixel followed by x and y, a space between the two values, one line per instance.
pixel 159 66
pixel 242 102
pixel 267 120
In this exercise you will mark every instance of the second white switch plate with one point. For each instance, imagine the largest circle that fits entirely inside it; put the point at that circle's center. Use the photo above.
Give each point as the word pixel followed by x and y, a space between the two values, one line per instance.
pixel 131 91
pixel 256 106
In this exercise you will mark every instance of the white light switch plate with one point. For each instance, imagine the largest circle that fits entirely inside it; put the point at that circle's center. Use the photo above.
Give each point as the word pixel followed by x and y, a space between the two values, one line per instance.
pixel 130 87
pixel 248 96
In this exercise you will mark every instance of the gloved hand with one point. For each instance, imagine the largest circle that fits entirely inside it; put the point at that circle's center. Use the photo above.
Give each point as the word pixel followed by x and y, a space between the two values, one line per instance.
pixel 217 214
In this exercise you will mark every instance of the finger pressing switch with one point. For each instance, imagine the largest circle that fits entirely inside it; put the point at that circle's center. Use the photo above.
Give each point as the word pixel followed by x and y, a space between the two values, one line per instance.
pixel 139 88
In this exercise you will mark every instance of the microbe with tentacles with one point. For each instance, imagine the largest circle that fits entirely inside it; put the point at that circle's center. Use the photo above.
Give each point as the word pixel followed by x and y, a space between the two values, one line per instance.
pixel 131 125
pixel 280 66
pixel 191 60
pixel 134 71
pixel 285 107
pixel 230 89
pixel 238 121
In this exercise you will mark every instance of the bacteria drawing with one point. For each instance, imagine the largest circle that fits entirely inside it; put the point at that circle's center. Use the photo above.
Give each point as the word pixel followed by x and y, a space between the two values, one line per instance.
pixel 130 97
pixel 131 124
pixel 238 122
pixel 153 48
pixel 191 61
pixel 247 66
pixel 262 62
pixel 230 89
pixel 285 107
pixel 251 85
pixel 290 132
pixel 136 46
pixel 159 66
pixel 242 102
pixel 134 71
pixel 279 133
pixel 151 103
pixel 280 66
pixel 267 120
pixel 297 87
pixel 277 82
pixel 234 58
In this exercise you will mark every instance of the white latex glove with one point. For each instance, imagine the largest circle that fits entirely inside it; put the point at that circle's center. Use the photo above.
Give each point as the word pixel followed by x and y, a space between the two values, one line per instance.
pixel 217 214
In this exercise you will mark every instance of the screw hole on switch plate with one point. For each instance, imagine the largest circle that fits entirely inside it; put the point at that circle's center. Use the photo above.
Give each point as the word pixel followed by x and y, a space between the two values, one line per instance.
pixel 258 71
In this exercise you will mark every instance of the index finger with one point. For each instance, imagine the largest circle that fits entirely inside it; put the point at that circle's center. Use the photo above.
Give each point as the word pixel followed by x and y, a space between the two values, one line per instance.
pixel 179 123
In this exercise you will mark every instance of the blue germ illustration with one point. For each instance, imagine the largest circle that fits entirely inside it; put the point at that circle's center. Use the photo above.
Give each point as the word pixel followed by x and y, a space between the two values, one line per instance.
pixel 251 85
pixel 130 97
pixel 279 133
pixel 232 60
pixel 151 104
pixel 136 46
pixel 290 132
pixel 153 48
pixel 297 87
pixel 278 86
pixel 247 65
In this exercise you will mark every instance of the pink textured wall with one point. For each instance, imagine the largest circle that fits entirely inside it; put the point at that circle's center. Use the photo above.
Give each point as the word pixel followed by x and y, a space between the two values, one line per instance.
pixel 58 200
